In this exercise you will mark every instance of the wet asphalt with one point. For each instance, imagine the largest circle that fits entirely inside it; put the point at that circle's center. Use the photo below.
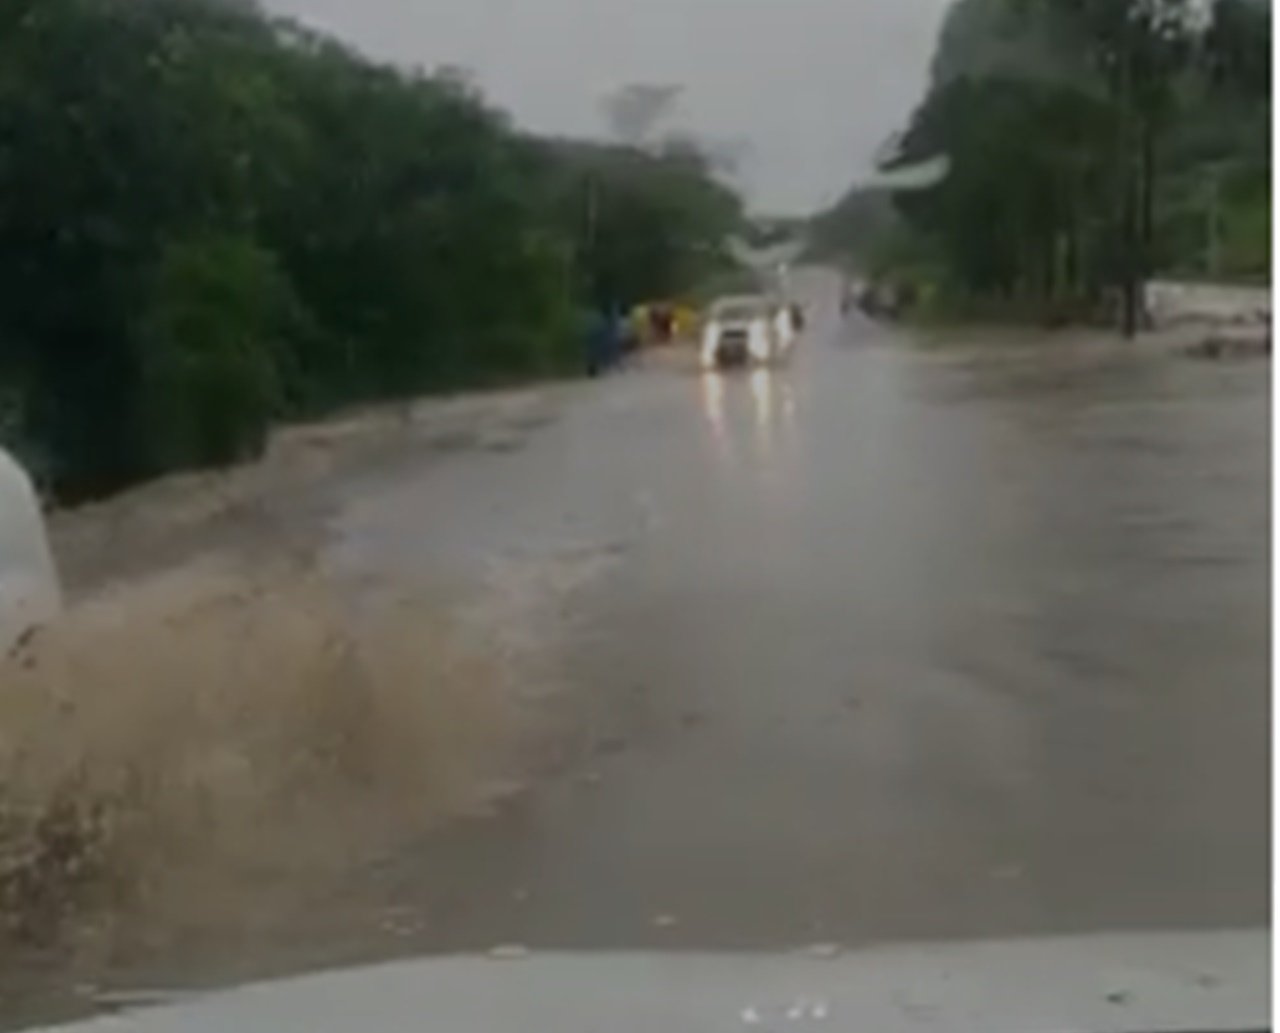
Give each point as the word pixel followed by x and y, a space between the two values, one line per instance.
pixel 925 636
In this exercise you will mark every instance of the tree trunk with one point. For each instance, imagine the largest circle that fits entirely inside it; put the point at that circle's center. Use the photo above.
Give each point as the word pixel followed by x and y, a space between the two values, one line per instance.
pixel 1130 203
pixel 1147 215
pixel 1128 172
pixel 1049 265
pixel 1071 251
pixel 1148 227
pixel 1131 279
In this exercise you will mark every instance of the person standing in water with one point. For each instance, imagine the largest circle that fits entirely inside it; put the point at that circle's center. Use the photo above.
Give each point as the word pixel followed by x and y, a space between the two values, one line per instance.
pixel 604 340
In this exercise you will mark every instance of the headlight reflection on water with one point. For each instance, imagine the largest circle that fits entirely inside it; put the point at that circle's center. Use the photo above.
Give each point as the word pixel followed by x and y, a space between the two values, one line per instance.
pixel 713 410
pixel 762 398
pixel 770 399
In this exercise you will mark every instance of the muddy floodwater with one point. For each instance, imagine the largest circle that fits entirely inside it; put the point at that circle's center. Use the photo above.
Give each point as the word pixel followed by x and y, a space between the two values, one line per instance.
pixel 925 636
pixel 915 638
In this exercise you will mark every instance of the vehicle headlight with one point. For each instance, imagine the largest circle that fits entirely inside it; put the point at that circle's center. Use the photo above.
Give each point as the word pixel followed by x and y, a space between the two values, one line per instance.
pixel 758 342
pixel 710 339
pixel 786 330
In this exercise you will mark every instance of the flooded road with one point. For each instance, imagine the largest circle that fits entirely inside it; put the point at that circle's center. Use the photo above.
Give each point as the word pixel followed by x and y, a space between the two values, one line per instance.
pixel 927 636
pixel 908 640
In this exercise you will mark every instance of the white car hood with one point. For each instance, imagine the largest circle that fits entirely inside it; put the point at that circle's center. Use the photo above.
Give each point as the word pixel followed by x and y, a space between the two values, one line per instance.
pixel 29 593
pixel 1099 984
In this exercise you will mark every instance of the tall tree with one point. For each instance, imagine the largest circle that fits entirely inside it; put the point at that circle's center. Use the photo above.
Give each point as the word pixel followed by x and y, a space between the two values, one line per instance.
pixel 210 219
pixel 1136 48
pixel 1086 144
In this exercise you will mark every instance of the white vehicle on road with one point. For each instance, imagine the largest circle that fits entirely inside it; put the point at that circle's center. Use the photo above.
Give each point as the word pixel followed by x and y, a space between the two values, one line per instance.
pixel 29 593
pixel 749 330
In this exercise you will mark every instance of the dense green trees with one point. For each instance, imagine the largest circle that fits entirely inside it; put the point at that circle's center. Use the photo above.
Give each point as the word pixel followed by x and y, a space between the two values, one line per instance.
pixel 1013 214
pixel 210 220
pixel 645 225
pixel 1092 143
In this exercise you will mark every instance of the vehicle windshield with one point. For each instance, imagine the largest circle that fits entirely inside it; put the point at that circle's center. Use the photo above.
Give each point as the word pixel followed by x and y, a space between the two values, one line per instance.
pixel 740 311
pixel 522 481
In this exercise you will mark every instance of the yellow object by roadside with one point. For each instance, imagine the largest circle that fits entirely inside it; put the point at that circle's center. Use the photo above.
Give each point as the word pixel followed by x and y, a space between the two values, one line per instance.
pixel 686 322
pixel 640 323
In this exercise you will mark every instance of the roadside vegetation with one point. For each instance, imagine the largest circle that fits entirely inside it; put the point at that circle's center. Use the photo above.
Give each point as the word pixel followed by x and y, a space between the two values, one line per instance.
pixel 211 220
pixel 1092 145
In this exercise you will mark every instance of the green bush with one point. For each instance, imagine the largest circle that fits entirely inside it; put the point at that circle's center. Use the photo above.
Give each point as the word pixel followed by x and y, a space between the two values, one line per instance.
pixel 211 341
pixel 210 218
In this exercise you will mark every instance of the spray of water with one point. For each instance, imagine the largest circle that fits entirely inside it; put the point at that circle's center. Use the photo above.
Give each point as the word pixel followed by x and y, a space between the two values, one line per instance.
pixel 169 751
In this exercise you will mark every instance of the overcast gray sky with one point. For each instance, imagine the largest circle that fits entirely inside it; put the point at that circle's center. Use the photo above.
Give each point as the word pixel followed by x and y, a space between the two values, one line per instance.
pixel 815 86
